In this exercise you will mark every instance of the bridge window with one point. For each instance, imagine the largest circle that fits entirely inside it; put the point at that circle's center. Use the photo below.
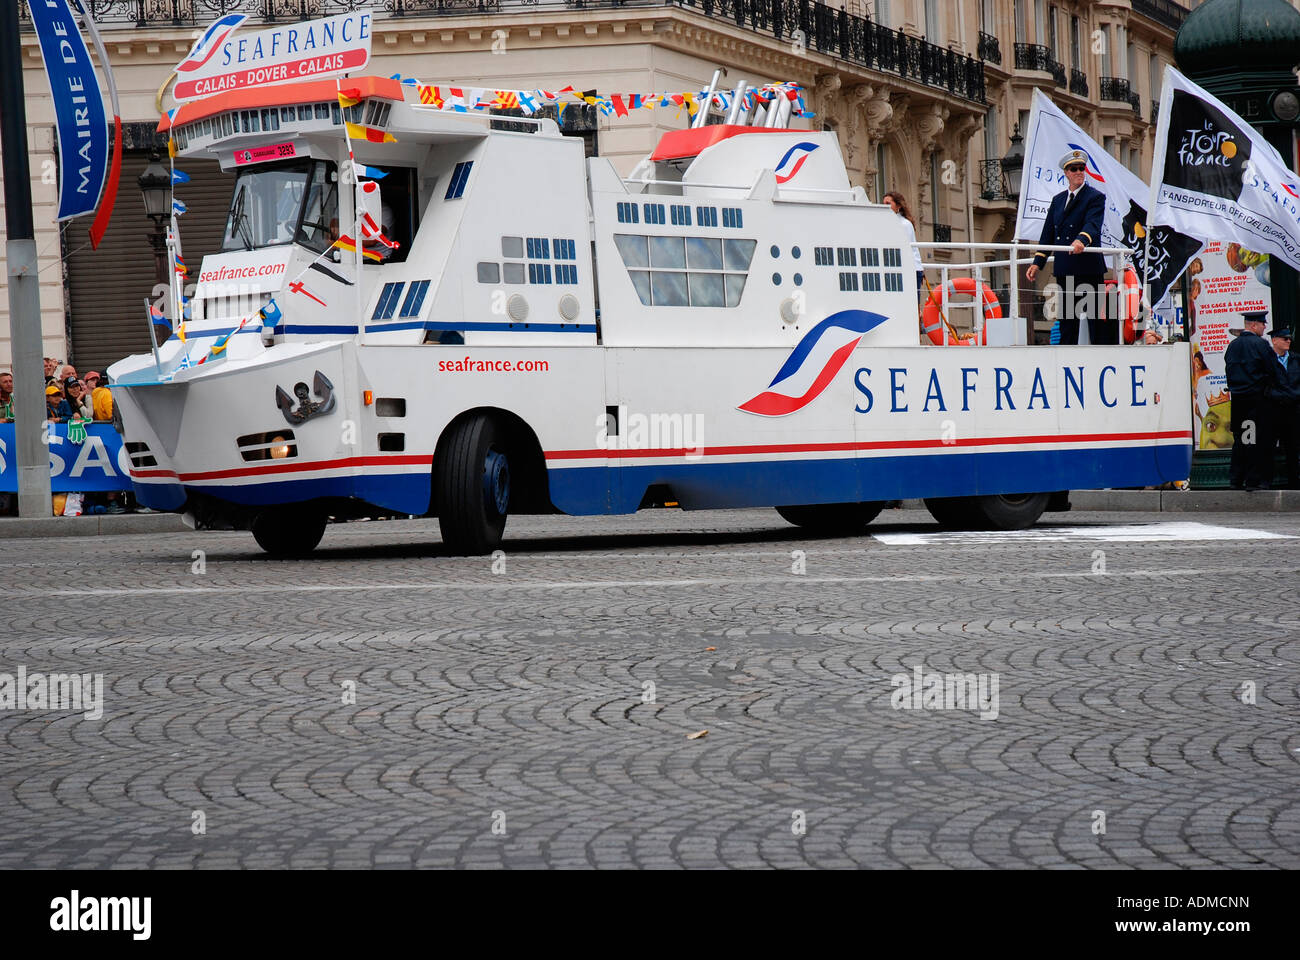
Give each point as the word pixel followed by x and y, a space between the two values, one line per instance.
pixel 388 298
pixel 459 177
pixel 686 271
pixel 415 299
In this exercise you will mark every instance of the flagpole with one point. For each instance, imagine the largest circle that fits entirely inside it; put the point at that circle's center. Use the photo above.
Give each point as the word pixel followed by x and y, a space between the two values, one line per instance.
pixel 357 253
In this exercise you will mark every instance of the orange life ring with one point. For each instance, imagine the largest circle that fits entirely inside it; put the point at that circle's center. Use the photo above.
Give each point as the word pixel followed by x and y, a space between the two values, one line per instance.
pixel 1129 303
pixel 932 323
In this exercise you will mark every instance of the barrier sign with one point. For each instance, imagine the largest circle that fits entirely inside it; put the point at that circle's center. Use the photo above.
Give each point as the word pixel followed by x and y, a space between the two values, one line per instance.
pixel 282 54
pixel 97 464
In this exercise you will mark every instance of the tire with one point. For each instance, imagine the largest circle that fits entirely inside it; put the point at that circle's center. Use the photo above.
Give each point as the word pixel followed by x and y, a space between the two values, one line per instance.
pixel 955 513
pixel 1013 511
pixel 833 519
pixel 472 483
pixel 289 532
pixel 1009 511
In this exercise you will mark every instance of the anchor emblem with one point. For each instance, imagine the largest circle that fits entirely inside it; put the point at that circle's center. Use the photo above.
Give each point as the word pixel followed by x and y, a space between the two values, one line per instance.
pixel 307 408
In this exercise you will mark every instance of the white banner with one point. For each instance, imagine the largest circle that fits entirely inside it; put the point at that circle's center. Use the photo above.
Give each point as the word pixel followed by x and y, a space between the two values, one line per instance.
pixel 224 60
pixel 1051 135
pixel 1216 177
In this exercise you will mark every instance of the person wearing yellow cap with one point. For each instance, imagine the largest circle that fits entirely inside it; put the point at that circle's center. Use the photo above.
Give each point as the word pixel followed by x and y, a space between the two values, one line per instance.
pixel 1074 220
pixel 56 408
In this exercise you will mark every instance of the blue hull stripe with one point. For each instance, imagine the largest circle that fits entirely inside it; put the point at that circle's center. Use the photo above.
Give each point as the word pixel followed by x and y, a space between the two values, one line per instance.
pixel 702 485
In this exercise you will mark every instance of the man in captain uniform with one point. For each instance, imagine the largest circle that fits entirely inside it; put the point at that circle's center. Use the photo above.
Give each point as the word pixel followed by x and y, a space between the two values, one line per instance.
pixel 1074 220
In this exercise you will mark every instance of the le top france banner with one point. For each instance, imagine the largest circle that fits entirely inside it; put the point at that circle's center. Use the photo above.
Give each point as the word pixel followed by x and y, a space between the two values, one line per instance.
pixel 225 60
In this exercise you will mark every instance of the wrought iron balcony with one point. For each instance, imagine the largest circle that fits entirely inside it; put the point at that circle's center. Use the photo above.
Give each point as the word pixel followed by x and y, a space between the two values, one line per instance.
pixel 1161 11
pixel 1035 56
pixel 1115 88
pixel 993 182
pixel 1135 102
pixel 1155 111
pixel 942 233
pixel 989 48
pixel 1079 83
pixel 824 29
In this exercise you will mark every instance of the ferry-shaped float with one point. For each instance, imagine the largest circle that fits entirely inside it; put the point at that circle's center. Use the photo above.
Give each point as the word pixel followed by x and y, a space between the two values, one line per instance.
pixel 733 325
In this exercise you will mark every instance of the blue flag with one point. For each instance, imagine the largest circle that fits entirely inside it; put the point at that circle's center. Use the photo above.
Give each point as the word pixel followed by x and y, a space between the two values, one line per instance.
pixel 179 176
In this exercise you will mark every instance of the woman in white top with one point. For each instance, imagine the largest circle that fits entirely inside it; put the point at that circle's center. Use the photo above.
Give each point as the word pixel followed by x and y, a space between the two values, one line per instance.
pixel 898 204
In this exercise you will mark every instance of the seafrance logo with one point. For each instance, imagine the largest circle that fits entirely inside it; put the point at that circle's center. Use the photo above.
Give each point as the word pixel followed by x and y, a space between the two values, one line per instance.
pixel 793 160
pixel 1092 168
pixel 813 363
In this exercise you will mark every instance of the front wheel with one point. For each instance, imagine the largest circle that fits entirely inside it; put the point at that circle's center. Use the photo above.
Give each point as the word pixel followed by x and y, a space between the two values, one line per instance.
pixel 833 518
pixel 472 479
pixel 288 531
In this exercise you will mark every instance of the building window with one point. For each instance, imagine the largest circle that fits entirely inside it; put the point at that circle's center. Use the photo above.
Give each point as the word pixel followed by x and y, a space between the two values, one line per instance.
pixel 882 171
pixel 1076 57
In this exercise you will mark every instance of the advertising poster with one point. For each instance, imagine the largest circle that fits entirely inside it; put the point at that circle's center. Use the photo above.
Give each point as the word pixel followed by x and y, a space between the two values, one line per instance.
pixel 1226 281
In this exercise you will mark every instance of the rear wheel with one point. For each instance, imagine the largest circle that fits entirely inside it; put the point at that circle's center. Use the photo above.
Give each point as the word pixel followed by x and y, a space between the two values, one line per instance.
pixel 289 531
pixel 472 479
pixel 833 518
pixel 1005 511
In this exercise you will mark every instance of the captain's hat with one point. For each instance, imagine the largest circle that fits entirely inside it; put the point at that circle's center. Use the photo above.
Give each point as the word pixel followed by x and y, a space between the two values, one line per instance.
pixel 1074 156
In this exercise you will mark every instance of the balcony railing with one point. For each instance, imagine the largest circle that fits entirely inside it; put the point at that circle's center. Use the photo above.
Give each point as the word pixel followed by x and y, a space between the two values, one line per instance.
pixel 993 182
pixel 1135 102
pixel 1155 111
pixel 1115 88
pixel 989 48
pixel 1079 83
pixel 1162 11
pixel 824 29
pixel 1035 56
pixel 942 233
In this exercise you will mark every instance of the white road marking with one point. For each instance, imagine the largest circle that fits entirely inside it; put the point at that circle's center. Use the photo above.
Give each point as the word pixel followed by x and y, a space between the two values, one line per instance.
pixel 1108 533
pixel 504 583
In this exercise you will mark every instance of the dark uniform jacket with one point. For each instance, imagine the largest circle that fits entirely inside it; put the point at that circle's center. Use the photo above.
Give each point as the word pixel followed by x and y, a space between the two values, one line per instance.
pixel 1081 222
pixel 1286 389
pixel 1251 366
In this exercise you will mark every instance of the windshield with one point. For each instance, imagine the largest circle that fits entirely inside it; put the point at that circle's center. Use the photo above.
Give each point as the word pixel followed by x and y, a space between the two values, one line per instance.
pixel 267 207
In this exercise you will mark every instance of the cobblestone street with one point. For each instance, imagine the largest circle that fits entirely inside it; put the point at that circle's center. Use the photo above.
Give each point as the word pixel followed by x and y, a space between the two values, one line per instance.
pixel 382 705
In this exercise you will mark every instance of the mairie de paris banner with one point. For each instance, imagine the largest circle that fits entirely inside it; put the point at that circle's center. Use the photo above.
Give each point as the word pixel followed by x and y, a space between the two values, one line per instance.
pixel 78 107
pixel 1215 177
pixel 1050 136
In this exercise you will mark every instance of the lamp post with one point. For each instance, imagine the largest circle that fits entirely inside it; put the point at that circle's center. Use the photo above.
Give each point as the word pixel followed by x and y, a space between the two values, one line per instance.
pixel 1013 163
pixel 156 190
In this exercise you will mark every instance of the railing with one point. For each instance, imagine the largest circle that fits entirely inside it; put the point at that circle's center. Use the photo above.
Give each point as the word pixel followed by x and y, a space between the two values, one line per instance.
pixel 1079 83
pixel 1155 111
pixel 817 26
pixel 1115 88
pixel 993 182
pixel 1162 11
pixel 989 48
pixel 1135 102
pixel 1035 56
pixel 942 233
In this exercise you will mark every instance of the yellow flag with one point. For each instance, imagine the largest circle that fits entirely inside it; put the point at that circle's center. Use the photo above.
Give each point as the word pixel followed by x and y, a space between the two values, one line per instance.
pixel 171 147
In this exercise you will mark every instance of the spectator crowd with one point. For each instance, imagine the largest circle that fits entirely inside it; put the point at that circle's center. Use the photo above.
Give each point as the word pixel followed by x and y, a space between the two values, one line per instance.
pixel 67 398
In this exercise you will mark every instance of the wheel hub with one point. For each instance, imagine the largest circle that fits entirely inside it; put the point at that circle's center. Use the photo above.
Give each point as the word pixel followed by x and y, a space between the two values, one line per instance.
pixel 496 480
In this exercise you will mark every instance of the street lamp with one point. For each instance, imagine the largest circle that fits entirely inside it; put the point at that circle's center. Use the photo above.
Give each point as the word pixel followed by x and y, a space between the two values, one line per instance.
pixel 156 190
pixel 1013 163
